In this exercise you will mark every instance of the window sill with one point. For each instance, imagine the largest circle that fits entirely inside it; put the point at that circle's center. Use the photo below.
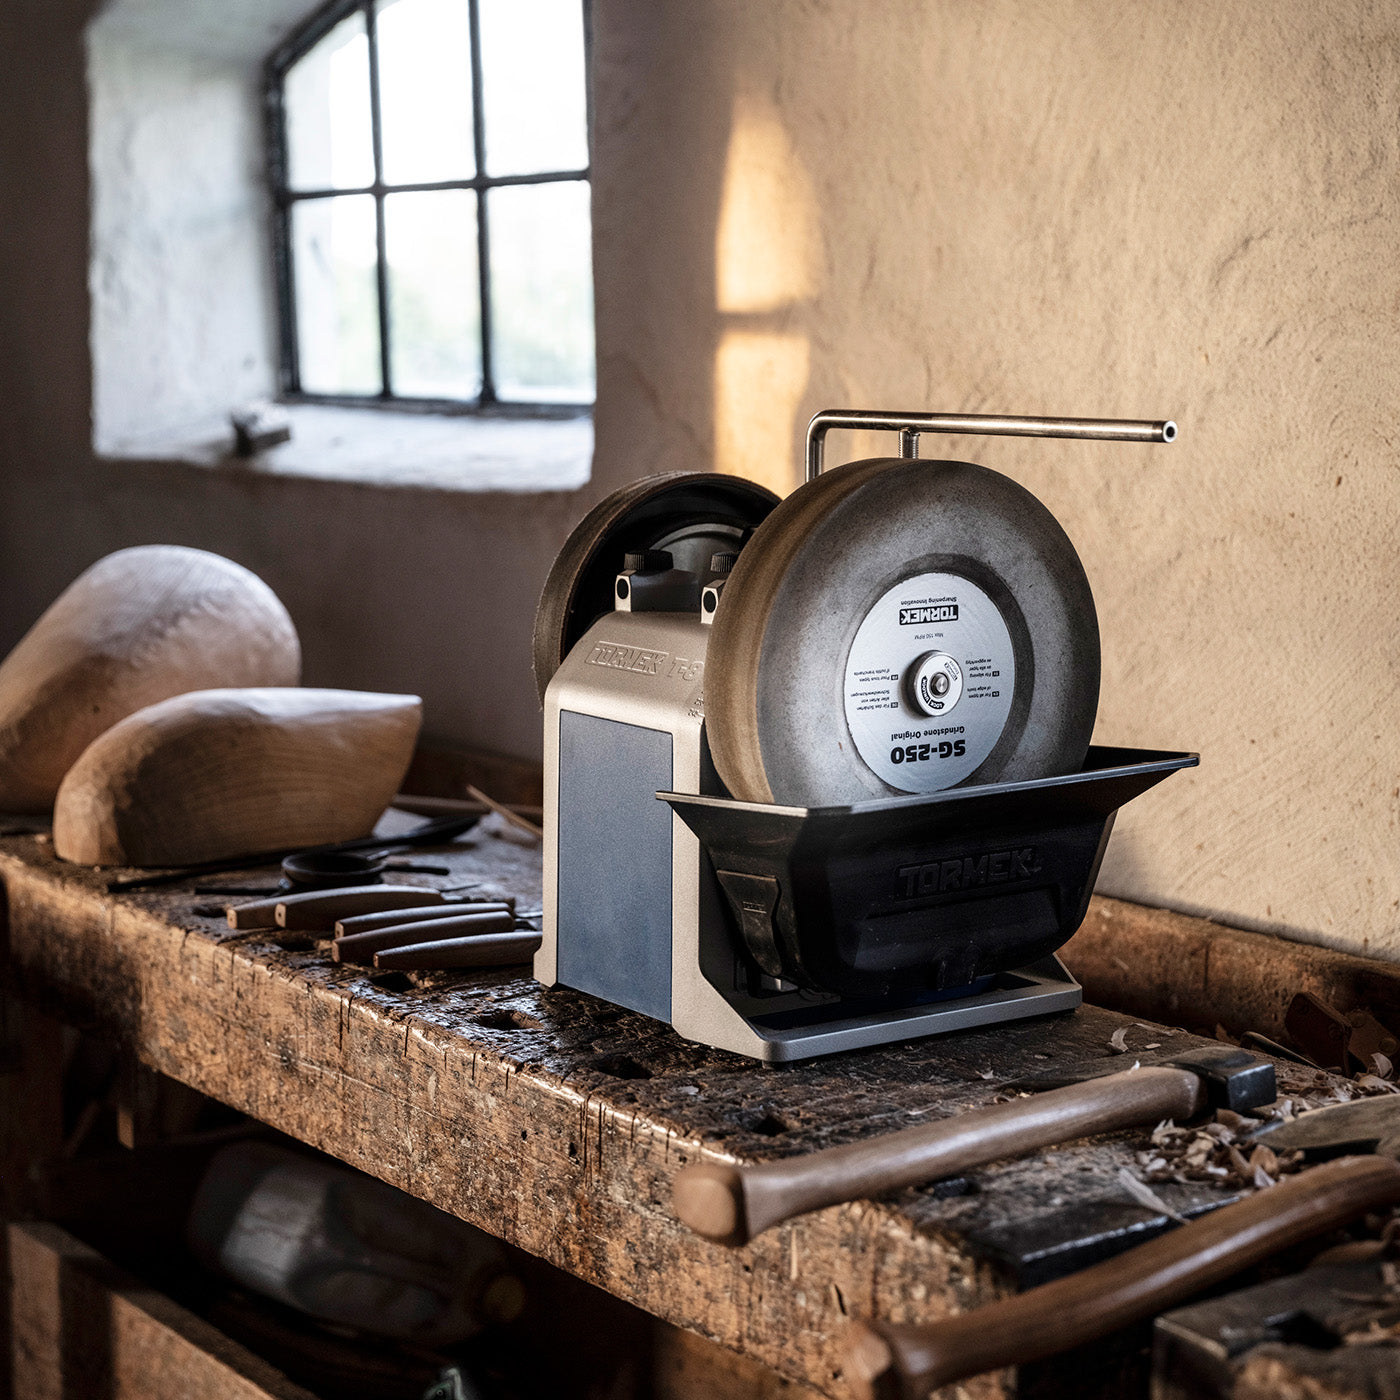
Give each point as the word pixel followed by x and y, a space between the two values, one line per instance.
pixel 378 447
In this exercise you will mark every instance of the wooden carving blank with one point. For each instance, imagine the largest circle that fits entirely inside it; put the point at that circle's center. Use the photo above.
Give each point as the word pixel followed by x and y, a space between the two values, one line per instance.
pixel 221 773
pixel 139 626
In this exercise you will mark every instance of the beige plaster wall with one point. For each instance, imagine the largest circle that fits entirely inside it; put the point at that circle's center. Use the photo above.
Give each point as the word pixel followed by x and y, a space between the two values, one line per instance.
pixel 1088 208
pixel 1178 209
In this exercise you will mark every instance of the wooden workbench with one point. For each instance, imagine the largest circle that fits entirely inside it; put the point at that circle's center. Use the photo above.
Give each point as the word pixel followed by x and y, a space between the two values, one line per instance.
pixel 557 1122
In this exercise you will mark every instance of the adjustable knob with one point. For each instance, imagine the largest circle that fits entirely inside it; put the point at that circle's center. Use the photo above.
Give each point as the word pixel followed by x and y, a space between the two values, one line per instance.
pixel 647 561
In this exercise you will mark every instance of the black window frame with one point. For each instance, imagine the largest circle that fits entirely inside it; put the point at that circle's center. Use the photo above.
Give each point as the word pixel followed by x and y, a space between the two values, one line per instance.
pixel 295 47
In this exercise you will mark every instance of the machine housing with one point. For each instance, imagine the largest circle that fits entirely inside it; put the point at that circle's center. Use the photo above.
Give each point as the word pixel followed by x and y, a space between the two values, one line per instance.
pixel 636 913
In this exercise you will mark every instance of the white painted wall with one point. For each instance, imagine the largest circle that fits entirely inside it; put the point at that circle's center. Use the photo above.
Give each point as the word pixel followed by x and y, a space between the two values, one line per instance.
pixel 182 303
pixel 1019 205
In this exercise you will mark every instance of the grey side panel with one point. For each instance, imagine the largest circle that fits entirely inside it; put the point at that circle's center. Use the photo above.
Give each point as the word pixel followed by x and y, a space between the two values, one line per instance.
pixel 614 915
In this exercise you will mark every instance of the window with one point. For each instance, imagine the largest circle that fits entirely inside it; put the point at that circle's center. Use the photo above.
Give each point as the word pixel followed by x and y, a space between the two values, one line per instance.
pixel 430 166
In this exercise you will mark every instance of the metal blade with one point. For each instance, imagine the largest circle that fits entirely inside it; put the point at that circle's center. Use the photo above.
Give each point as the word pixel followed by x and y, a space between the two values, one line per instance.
pixel 1362 1126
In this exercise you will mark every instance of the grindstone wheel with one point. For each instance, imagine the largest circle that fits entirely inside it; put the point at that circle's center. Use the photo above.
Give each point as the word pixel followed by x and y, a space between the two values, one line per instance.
pixel 690 514
pixel 896 627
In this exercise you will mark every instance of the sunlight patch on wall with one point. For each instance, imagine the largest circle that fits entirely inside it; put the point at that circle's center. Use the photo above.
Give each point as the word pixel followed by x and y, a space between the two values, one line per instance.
pixel 766 250
pixel 760 377
pixel 767 260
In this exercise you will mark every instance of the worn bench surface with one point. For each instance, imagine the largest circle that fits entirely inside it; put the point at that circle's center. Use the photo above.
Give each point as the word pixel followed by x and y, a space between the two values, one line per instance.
pixel 556 1121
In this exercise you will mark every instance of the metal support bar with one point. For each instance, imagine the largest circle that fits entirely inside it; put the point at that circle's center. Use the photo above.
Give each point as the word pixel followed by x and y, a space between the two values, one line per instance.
pixel 984 424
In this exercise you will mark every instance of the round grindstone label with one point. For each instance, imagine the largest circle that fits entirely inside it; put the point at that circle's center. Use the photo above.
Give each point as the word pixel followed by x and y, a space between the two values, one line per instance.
pixel 929 681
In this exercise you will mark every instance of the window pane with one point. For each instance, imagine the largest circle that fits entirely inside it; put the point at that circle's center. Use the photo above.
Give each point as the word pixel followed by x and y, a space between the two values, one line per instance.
pixel 425 90
pixel 329 139
pixel 433 294
pixel 542 292
pixel 533 86
pixel 337 310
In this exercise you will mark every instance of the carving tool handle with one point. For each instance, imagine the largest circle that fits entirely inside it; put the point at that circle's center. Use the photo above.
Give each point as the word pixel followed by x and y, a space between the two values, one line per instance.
pixel 427 913
pixel 263 913
pixel 474 950
pixel 906 1363
pixel 732 1203
pixel 323 909
pixel 361 947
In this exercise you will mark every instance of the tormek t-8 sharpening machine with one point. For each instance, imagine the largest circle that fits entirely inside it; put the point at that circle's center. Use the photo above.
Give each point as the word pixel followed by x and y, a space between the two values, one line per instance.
pixel 818 772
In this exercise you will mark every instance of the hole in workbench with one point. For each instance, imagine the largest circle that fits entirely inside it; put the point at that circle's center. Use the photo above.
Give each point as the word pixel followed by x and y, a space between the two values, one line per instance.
pixel 295 942
pixel 506 1019
pixel 1301 1329
pixel 950 1189
pixel 770 1125
pixel 620 1067
pixel 392 982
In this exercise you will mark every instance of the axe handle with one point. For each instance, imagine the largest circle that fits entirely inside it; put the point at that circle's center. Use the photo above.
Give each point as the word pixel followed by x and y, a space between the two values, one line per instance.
pixel 890 1362
pixel 731 1203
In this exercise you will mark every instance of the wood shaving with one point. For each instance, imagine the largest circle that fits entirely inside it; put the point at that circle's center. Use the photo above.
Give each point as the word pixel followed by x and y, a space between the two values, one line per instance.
pixel 1118 1041
pixel 1221 1150
pixel 1144 1195
pixel 1376 1084
pixel 1214 1152
pixel 1381 1066
pixel 1199 1151
pixel 1264 1159
pixel 1375 1334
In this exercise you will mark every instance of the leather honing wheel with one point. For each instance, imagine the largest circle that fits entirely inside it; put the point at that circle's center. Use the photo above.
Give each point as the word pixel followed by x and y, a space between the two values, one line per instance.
pixel 901 626
pixel 691 514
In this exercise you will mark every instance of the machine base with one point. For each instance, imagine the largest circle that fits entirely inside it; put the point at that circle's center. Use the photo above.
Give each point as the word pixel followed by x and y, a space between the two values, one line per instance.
pixel 1039 990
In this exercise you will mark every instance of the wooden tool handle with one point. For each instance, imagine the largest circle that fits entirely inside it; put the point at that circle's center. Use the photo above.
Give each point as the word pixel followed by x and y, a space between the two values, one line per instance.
pixel 254 913
pixel 906 1363
pixel 262 913
pixel 479 950
pixel 361 947
pixel 514 818
pixel 320 909
pixel 448 909
pixel 732 1204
